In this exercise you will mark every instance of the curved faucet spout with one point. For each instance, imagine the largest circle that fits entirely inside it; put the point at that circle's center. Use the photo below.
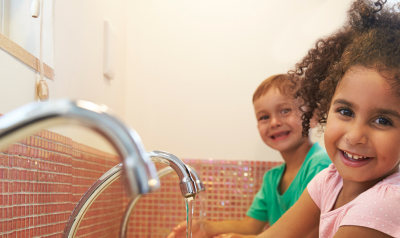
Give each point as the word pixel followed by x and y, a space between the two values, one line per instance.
pixel 140 173
pixel 187 183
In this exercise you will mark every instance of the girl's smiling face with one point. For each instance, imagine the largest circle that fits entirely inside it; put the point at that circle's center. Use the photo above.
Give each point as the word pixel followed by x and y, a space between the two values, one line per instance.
pixel 362 135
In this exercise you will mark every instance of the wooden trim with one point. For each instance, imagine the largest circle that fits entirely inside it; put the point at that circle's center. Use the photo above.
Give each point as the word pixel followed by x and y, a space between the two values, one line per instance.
pixel 23 55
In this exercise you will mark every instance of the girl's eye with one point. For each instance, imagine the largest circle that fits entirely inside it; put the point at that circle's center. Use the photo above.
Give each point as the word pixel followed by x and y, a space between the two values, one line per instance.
pixel 383 121
pixel 345 112
pixel 287 110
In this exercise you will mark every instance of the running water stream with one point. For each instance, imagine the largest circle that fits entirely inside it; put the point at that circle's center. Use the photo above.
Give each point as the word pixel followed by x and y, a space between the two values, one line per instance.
pixel 189 215
pixel 203 214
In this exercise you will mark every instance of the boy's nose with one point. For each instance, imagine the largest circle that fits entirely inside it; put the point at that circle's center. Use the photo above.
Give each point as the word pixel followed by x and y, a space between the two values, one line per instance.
pixel 275 122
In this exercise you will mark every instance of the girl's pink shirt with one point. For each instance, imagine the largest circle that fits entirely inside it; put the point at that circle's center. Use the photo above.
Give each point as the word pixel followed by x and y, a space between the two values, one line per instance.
pixel 377 208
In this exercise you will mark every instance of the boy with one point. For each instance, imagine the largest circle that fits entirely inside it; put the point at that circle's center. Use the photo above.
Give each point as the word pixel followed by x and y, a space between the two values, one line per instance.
pixel 280 126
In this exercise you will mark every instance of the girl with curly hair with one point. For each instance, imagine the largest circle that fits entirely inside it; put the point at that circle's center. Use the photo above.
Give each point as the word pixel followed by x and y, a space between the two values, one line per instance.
pixel 350 82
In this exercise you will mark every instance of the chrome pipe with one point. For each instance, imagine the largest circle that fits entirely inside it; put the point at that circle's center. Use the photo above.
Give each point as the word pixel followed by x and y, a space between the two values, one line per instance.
pixel 89 197
pixel 123 230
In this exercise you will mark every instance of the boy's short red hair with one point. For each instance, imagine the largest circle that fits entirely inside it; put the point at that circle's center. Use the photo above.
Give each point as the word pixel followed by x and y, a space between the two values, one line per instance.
pixel 279 81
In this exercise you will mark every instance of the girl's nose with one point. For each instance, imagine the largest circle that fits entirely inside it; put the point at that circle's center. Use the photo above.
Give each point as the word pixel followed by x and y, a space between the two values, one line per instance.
pixel 356 135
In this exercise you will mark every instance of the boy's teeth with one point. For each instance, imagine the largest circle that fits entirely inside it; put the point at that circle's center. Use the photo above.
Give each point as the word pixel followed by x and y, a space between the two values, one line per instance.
pixel 355 157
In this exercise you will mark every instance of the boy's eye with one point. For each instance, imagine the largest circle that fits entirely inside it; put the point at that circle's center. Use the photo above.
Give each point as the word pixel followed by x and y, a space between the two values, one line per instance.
pixel 383 121
pixel 345 112
pixel 264 118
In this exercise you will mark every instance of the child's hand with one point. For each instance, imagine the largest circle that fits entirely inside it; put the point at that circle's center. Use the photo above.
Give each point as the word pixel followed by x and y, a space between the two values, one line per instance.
pixel 233 235
pixel 180 231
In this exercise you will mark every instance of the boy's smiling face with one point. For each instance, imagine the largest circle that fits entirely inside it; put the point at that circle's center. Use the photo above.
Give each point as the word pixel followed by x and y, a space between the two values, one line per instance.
pixel 278 120
pixel 363 128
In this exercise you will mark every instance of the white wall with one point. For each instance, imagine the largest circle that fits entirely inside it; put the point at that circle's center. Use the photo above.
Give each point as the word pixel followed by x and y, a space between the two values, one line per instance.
pixel 192 67
pixel 78 61
pixel 186 69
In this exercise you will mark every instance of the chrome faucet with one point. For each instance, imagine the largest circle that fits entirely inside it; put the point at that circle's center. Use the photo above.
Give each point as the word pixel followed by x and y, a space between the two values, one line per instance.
pixel 140 173
pixel 189 188
pixel 123 231
pixel 187 183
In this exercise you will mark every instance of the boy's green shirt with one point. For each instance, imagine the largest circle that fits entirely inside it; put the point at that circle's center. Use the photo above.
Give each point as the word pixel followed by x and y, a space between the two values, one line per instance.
pixel 269 205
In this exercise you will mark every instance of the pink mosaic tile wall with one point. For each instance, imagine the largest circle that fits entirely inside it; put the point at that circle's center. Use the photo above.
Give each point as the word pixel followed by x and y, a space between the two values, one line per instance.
pixel 230 189
pixel 42 178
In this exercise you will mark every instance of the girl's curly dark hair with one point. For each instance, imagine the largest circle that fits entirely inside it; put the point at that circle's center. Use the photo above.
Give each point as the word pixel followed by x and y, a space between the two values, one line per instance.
pixel 370 38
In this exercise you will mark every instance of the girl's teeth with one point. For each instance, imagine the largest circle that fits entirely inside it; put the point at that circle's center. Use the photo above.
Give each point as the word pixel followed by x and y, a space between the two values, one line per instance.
pixel 354 156
pixel 349 155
